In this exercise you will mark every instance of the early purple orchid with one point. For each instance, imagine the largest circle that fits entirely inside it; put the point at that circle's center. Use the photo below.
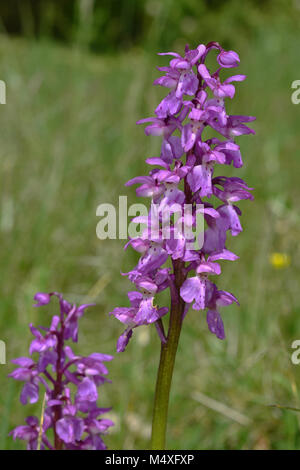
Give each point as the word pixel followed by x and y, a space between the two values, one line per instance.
pixel 188 76
pixel 75 422
pixel 195 102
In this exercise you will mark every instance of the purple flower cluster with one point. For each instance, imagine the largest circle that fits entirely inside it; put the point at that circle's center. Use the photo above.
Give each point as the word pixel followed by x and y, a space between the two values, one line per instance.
pixel 71 418
pixel 195 103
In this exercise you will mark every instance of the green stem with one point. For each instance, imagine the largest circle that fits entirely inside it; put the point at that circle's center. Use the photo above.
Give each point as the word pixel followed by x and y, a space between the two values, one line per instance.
pixel 166 365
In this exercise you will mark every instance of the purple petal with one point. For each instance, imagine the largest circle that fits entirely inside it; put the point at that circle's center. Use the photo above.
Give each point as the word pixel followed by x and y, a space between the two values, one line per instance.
pixel 215 323
pixel 228 59
pixel 224 254
pixel 42 299
pixel 190 289
pixel 200 178
pixel 70 429
pixel 87 390
pixel 225 298
pixel 29 393
pixel 124 340
pixel 188 137
pixel 23 361
pixel 210 268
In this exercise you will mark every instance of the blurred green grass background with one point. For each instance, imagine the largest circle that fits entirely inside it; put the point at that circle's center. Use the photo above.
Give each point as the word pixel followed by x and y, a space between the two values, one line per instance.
pixel 68 143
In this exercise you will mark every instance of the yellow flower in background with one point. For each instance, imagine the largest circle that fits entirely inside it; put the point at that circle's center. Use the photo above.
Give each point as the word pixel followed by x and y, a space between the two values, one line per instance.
pixel 280 260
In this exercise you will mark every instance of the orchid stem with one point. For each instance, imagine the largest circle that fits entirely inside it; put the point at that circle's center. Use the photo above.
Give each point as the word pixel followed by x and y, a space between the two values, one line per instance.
pixel 166 366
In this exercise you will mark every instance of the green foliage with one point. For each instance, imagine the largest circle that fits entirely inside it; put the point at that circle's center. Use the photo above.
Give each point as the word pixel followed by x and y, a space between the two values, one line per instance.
pixel 114 25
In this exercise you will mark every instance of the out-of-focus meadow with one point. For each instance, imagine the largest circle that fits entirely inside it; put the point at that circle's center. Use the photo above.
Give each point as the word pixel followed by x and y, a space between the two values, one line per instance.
pixel 69 142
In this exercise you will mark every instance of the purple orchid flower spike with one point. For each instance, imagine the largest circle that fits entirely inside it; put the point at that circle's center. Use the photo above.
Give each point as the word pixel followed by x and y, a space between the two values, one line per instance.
pixel 185 174
pixel 74 423
pixel 188 76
